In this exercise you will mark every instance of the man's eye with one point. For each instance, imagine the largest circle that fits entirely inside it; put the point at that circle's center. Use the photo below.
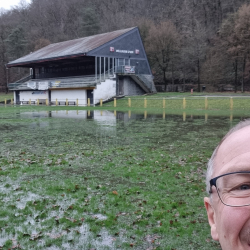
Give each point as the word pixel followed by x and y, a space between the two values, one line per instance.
pixel 244 187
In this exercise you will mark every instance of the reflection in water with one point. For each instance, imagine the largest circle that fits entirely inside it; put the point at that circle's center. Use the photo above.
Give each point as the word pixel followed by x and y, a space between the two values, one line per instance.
pixel 231 117
pixel 102 117
pixel 184 116
pixel 206 117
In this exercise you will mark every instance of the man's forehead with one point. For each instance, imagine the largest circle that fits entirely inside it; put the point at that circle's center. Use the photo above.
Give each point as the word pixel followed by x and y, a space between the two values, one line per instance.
pixel 234 152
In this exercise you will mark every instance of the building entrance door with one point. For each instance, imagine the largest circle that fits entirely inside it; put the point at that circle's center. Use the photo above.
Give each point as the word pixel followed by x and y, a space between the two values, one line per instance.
pixel 17 97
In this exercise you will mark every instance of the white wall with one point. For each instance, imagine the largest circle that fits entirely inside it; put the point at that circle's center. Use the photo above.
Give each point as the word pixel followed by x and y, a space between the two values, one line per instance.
pixel 71 95
pixel 33 95
pixel 105 90
pixel 14 98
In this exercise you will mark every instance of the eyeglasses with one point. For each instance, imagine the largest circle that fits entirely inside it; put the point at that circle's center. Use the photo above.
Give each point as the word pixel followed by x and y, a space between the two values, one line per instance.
pixel 233 188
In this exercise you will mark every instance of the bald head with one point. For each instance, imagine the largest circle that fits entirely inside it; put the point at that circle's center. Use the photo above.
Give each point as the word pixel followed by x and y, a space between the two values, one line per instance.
pixel 226 156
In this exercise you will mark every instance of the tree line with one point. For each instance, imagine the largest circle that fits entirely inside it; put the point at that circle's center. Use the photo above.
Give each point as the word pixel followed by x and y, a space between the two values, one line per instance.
pixel 187 41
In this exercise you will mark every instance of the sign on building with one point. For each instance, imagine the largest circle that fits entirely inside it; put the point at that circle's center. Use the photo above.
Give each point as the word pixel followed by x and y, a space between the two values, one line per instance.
pixel 31 85
pixel 129 69
pixel 43 85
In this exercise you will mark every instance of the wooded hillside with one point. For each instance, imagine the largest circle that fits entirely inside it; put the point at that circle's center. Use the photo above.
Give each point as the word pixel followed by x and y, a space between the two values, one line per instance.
pixel 187 41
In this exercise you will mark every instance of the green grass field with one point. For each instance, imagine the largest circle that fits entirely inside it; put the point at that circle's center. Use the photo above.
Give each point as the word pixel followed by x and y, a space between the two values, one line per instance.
pixel 4 96
pixel 76 183
pixel 127 178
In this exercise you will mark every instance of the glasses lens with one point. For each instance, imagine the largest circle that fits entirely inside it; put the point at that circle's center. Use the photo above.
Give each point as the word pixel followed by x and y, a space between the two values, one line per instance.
pixel 234 189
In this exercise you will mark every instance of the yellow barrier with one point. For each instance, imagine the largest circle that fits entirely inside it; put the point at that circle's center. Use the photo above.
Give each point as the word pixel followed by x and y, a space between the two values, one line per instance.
pixel 184 103
pixel 88 102
pixel 115 102
pixel 231 103
pixel 145 103
pixel 206 103
pixel 129 102
pixel 101 102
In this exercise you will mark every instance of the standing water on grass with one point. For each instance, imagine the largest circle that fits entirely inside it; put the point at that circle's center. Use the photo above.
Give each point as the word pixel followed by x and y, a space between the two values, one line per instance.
pixel 105 180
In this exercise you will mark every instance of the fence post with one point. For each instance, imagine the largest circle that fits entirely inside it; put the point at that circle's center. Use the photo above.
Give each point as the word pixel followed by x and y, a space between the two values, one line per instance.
pixel 231 103
pixel 115 102
pixel 37 101
pixel 164 103
pixel 77 102
pixel 129 114
pixel 88 102
pixel 206 103
pixel 114 112
pixel 164 115
pixel 101 102
pixel 184 103
pixel 67 103
pixel 129 102
pixel 56 102
pixel 47 103
pixel 145 103
pixel 29 101
pixel 145 114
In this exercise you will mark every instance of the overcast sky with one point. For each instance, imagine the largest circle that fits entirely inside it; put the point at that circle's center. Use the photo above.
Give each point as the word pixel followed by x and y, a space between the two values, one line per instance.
pixel 7 4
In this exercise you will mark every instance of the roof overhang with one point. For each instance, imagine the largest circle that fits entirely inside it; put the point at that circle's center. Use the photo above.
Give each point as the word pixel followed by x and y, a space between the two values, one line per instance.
pixel 29 64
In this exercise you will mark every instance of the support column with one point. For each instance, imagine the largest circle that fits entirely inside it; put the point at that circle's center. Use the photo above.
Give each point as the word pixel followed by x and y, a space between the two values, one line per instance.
pixel 104 67
pixel 108 66
pixel 95 68
pixel 100 72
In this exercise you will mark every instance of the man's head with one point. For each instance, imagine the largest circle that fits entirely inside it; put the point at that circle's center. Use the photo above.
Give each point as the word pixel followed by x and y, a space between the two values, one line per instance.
pixel 229 225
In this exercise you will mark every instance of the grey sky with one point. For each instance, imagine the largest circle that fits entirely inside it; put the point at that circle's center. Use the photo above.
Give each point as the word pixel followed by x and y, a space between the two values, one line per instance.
pixel 7 4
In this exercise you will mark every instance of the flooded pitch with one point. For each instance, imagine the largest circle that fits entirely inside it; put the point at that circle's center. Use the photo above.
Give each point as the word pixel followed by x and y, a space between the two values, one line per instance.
pixel 83 179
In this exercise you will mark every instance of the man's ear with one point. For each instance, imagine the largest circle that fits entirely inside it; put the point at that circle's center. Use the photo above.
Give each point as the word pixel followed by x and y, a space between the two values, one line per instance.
pixel 211 218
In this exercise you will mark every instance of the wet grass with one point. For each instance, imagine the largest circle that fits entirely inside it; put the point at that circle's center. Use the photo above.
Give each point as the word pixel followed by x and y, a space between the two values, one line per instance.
pixel 192 102
pixel 4 96
pixel 105 183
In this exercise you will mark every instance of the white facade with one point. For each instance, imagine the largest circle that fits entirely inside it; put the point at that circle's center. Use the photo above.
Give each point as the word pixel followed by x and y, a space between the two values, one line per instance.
pixel 71 95
pixel 32 95
pixel 105 90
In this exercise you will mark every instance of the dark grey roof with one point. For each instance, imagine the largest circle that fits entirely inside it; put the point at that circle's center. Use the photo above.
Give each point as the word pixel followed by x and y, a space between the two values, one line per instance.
pixel 76 47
